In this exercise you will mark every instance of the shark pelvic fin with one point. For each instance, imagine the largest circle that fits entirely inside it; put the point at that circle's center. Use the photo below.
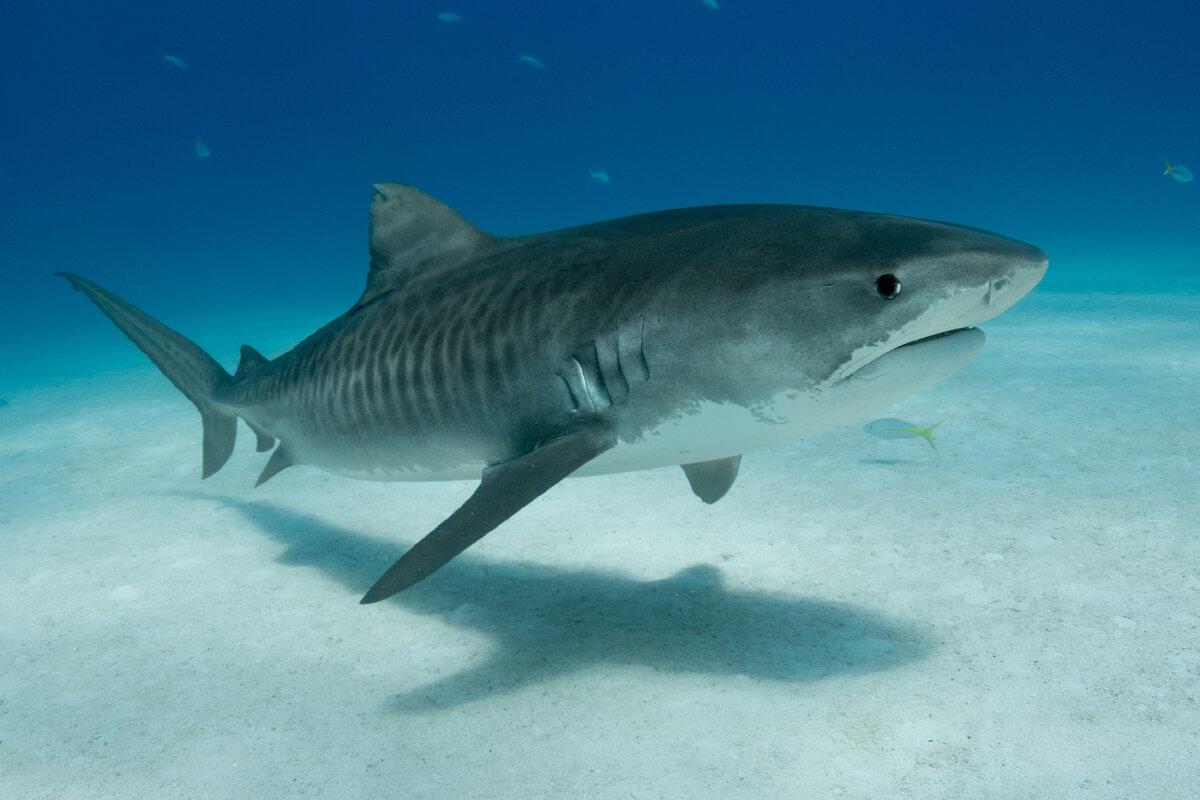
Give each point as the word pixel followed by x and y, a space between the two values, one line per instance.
pixel 505 489
pixel 710 480
pixel 280 460
pixel 411 231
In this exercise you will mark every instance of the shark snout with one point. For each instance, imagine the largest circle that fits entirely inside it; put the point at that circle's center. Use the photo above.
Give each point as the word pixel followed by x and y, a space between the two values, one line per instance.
pixel 1011 276
pixel 1033 264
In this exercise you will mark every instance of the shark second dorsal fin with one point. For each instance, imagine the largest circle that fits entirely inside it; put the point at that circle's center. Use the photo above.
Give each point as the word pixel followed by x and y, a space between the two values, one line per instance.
pixel 410 232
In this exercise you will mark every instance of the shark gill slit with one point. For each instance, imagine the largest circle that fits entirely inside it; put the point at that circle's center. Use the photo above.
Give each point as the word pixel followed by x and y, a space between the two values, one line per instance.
pixel 572 376
pixel 603 374
pixel 593 379
pixel 581 377
pixel 570 393
pixel 610 371
pixel 631 356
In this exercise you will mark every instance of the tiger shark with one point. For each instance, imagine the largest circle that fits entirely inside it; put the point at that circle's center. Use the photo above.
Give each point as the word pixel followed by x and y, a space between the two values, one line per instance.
pixel 685 337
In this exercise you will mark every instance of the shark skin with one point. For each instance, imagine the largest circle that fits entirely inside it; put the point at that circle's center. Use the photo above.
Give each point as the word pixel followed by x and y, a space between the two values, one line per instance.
pixel 682 337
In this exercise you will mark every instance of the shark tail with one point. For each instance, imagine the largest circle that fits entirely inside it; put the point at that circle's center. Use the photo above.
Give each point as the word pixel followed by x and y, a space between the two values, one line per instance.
pixel 193 371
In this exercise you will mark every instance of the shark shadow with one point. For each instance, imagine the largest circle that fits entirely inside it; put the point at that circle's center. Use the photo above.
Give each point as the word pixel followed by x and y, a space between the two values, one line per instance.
pixel 547 622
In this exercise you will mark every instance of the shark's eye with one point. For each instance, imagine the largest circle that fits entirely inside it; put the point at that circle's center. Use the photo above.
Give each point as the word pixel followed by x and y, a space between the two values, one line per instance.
pixel 888 286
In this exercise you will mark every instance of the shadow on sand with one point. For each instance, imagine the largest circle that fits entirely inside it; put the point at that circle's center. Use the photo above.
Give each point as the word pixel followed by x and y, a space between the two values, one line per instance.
pixel 547 622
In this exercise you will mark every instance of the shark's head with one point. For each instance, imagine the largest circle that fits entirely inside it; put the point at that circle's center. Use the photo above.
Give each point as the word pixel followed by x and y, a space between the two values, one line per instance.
pixel 859 310
pixel 898 300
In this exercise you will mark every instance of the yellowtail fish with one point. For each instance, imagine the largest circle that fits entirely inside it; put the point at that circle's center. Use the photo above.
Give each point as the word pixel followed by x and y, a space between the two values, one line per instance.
pixel 1178 171
pixel 175 61
pixel 710 4
pixel 899 429
pixel 202 150
pixel 598 176
pixel 532 61
pixel 450 16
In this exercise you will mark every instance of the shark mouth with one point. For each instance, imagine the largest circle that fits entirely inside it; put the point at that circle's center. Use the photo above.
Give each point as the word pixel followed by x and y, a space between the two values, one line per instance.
pixel 867 366
pixel 923 339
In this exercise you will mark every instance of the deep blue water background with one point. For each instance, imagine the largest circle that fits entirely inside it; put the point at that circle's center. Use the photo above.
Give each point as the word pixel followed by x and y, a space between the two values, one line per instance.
pixel 1044 121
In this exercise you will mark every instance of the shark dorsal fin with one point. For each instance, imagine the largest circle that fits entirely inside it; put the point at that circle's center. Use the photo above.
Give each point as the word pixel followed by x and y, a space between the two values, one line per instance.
pixel 410 232
pixel 251 359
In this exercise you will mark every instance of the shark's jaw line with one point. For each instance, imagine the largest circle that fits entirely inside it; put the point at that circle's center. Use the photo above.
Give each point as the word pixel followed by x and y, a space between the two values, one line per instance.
pixel 855 367
pixel 872 358
pixel 950 332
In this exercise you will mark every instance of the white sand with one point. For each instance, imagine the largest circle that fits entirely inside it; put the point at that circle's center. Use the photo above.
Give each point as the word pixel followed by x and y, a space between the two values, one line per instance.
pixel 1017 615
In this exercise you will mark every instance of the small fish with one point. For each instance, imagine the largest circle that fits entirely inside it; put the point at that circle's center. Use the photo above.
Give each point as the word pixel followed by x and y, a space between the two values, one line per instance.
pixel 175 61
pixel 598 176
pixel 3 403
pixel 899 429
pixel 1178 171
pixel 202 150
pixel 450 16
pixel 532 61
pixel 710 4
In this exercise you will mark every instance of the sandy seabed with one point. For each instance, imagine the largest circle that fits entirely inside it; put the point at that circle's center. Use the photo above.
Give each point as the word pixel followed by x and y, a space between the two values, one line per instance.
pixel 1014 616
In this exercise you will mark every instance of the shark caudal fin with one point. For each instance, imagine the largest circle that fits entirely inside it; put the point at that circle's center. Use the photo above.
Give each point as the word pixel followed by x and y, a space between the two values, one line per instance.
pixel 193 371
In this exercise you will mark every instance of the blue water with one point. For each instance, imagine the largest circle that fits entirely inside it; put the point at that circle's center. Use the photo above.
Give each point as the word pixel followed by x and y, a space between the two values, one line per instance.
pixel 1011 615
pixel 1047 122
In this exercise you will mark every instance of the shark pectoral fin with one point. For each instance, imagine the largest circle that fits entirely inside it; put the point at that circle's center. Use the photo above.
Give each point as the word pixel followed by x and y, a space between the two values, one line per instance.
pixel 710 480
pixel 505 489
